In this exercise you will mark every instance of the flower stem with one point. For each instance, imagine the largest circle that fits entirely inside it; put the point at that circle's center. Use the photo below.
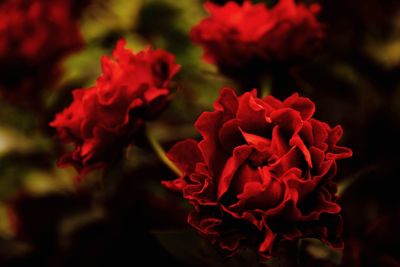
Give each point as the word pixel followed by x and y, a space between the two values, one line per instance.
pixel 265 86
pixel 155 145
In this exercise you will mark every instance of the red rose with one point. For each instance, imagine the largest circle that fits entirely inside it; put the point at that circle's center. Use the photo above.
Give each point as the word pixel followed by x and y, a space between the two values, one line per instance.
pixel 102 120
pixel 262 173
pixel 35 36
pixel 235 36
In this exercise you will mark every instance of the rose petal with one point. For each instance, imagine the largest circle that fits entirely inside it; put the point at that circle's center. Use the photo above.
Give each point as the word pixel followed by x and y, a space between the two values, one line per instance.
pixel 288 120
pixel 252 115
pixel 302 104
pixel 258 142
pixel 298 142
pixel 185 155
pixel 240 154
pixel 230 135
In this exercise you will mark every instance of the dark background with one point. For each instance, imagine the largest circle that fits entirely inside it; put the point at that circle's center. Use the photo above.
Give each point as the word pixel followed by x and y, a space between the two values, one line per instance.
pixel 45 220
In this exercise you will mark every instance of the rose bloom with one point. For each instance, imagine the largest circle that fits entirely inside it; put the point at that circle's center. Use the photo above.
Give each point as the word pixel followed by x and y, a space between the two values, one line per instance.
pixel 261 173
pixel 35 36
pixel 236 36
pixel 102 120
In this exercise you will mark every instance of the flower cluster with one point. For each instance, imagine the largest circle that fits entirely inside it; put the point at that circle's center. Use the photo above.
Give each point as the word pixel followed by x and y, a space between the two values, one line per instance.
pixel 236 35
pixel 102 120
pixel 35 36
pixel 261 173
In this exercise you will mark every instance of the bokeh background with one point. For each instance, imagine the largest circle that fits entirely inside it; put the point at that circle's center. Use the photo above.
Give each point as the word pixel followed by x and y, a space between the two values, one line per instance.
pixel 128 217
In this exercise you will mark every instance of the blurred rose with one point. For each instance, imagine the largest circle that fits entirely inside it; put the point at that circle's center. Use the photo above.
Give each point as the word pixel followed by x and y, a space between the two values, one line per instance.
pixel 238 36
pixel 35 36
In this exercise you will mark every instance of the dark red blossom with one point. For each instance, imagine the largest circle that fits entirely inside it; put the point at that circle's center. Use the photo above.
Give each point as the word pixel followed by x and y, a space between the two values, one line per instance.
pixel 102 119
pixel 237 36
pixel 35 36
pixel 262 173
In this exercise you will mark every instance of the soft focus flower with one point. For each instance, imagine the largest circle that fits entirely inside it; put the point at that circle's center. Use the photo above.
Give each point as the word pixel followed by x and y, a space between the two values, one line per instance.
pixel 102 120
pixel 262 173
pixel 236 36
pixel 35 36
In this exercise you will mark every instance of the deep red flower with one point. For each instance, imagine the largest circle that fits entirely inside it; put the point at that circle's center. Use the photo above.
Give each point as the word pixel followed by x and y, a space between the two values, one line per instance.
pixel 262 173
pixel 102 120
pixel 235 36
pixel 35 36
